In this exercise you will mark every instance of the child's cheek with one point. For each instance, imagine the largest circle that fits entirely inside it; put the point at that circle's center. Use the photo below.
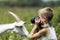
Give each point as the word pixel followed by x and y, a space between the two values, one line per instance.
pixel 43 20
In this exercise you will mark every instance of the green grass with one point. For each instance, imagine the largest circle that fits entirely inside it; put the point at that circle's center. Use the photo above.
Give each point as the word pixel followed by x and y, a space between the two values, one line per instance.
pixel 24 14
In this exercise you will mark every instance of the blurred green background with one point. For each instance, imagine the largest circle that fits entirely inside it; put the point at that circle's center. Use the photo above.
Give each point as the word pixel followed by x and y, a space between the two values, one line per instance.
pixel 27 9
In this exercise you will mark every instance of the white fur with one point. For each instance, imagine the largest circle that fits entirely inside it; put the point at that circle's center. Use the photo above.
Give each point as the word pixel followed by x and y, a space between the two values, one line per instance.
pixel 17 27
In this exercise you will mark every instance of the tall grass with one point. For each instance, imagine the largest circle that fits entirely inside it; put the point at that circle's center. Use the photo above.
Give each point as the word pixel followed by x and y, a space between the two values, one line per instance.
pixel 24 14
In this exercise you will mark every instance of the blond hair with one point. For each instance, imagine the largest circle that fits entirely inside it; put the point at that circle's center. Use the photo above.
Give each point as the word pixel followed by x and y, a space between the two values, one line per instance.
pixel 48 12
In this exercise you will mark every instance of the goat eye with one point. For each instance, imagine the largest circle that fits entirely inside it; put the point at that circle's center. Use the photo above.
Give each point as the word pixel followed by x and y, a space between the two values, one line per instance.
pixel 21 26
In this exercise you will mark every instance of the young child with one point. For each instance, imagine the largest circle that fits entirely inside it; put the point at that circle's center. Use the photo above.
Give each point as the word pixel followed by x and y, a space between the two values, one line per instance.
pixel 47 32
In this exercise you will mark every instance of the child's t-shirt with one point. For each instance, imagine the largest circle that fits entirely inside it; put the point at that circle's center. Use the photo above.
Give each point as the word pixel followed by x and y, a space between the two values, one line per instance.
pixel 52 35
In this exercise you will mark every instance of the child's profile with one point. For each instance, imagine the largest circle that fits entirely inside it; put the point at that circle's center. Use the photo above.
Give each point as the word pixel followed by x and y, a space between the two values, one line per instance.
pixel 48 31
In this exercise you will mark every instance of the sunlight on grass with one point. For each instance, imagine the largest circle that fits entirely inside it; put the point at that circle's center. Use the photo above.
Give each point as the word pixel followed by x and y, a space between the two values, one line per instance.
pixel 24 14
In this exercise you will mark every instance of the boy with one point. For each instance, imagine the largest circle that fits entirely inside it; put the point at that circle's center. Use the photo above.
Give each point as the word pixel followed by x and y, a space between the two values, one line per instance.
pixel 47 32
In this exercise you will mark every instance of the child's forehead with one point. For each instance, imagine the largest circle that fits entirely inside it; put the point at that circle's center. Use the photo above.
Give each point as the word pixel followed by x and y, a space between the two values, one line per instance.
pixel 41 15
pixel 42 11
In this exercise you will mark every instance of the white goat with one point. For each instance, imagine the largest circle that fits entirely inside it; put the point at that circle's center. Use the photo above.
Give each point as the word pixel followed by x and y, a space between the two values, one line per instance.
pixel 17 26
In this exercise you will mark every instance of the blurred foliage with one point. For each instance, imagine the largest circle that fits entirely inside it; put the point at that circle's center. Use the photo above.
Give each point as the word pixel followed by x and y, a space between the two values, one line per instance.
pixel 29 3
pixel 25 14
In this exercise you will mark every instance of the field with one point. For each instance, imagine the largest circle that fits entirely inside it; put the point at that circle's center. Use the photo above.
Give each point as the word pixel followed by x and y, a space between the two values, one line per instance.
pixel 24 14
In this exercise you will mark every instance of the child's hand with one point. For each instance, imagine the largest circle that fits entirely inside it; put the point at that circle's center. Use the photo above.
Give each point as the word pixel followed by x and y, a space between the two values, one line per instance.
pixel 37 20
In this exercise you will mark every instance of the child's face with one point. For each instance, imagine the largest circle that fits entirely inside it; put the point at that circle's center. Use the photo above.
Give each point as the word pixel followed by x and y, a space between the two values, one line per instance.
pixel 43 18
